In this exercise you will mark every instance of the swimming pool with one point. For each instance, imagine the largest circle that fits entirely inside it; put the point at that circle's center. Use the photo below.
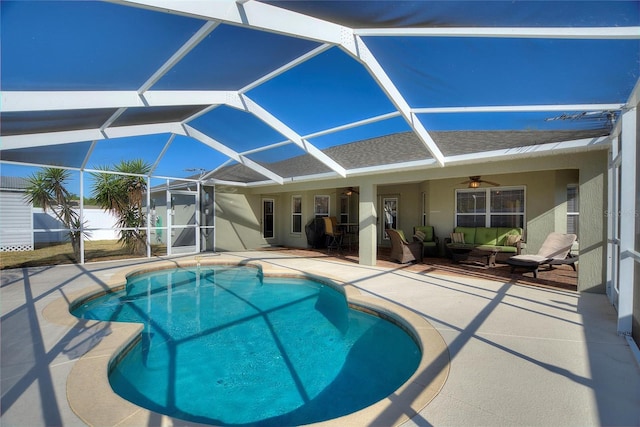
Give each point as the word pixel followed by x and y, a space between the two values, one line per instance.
pixel 224 346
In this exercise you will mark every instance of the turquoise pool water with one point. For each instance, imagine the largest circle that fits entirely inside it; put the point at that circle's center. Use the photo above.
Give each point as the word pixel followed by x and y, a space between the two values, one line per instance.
pixel 223 346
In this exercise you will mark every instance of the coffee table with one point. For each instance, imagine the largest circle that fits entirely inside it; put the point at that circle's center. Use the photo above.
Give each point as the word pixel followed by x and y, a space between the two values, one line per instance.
pixel 462 252
pixel 487 253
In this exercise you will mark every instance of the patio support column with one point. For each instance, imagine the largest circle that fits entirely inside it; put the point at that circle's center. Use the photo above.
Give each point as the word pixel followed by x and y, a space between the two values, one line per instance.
pixel 367 249
pixel 628 218
pixel 593 224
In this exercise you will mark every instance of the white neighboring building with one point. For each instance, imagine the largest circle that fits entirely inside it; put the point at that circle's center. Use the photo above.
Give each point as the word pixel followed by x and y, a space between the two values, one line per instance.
pixel 16 218
pixel 22 225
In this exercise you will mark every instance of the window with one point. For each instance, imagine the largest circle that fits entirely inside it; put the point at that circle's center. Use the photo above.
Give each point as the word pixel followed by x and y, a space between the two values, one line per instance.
pixel 296 214
pixel 573 212
pixel 268 222
pixel 321 206
pixel 344 209
pixel 491 207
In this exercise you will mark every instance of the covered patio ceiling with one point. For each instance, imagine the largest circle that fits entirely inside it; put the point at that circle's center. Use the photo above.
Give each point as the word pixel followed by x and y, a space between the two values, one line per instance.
pixel 256 92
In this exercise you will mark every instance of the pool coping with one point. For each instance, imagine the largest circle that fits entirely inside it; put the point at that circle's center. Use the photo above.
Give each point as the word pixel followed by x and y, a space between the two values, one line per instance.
pixel 88 378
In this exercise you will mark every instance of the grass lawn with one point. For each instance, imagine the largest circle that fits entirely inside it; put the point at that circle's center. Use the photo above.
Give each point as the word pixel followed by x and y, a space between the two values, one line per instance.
pixel 102 250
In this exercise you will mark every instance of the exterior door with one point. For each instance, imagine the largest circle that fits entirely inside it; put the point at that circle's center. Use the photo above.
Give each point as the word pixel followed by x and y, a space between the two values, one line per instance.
pixel 183 211
pixel 268 228
pixel 389 215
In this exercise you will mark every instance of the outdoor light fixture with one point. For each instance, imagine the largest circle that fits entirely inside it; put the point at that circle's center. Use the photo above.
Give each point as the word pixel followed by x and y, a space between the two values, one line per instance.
pixel 350 191
pixel 475 181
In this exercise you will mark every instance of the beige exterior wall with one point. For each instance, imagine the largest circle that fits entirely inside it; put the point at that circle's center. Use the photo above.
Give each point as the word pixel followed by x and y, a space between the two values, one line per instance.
pixel 545 179
pixel 237 222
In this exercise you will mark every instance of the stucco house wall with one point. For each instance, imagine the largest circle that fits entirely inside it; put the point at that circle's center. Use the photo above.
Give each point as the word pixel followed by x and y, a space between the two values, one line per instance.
pixel 545 179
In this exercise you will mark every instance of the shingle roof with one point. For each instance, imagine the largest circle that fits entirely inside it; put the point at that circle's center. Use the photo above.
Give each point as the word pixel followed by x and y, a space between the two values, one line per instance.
pixel 13 183
pixel 403 147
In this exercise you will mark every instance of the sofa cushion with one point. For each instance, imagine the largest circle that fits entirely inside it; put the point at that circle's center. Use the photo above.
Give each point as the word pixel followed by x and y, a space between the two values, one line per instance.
pixel 503 232
pixel 469 233
pixel 502 249
pixel 486 236
pixel 427 230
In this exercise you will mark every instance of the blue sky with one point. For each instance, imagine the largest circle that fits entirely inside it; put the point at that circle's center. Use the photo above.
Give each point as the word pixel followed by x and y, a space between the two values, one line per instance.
pixel 62 46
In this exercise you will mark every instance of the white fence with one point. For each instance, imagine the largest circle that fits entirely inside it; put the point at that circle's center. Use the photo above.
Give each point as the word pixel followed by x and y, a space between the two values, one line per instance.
pixel 93 219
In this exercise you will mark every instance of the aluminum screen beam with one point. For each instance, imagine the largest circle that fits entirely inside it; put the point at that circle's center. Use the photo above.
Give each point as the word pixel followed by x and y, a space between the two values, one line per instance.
pixel 255 109
pixel 593 33
pixel 55 138
pixel 205 139
pixel 15 101
pixel 250 13
pixel 360 51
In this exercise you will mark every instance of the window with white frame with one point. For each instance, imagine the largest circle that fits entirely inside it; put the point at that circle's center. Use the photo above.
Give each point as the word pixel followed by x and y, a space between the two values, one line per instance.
pixel 490 207
pixel 321 206
pixel 344 209
pixel 573 210
pixel 296 214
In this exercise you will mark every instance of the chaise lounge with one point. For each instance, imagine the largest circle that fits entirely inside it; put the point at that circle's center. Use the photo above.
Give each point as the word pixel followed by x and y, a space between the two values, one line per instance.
pixel 555 250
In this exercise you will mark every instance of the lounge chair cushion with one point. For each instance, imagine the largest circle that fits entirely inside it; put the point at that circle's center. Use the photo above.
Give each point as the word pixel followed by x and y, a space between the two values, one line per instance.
pixel 533 258
pixel 419 236
pixel 557 245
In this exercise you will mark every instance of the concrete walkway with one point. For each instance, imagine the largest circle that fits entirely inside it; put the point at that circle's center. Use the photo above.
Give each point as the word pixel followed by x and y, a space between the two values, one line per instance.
pixel 519 355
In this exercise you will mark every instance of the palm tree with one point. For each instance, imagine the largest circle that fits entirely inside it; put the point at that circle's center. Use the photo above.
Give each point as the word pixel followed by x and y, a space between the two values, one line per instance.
pixel 123 195
pixel 47 189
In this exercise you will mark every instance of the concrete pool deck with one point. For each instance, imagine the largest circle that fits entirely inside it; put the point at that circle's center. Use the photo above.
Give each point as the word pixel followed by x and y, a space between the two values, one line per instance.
pixel 518 355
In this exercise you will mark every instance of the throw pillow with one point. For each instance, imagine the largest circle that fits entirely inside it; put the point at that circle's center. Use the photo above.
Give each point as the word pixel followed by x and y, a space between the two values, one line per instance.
pixel 512 239
pixel 419 236
pixel 457 237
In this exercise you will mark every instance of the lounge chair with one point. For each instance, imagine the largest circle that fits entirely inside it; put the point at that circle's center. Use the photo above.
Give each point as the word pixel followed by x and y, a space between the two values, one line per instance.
pixel 401 250
pixel 555 250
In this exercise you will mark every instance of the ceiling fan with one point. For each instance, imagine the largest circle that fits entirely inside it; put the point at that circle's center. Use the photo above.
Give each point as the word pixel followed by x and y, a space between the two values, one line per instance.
pixel 475 181
pixel 349 191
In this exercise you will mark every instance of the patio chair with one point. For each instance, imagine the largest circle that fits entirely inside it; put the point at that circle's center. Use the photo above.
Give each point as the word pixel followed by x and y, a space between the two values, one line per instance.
pixel 555 250
pixel 401 250
pixel 426 235
pixel 334 236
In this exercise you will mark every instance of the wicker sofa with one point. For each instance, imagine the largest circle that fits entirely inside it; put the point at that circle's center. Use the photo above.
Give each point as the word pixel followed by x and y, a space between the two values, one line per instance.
pixel 506 240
